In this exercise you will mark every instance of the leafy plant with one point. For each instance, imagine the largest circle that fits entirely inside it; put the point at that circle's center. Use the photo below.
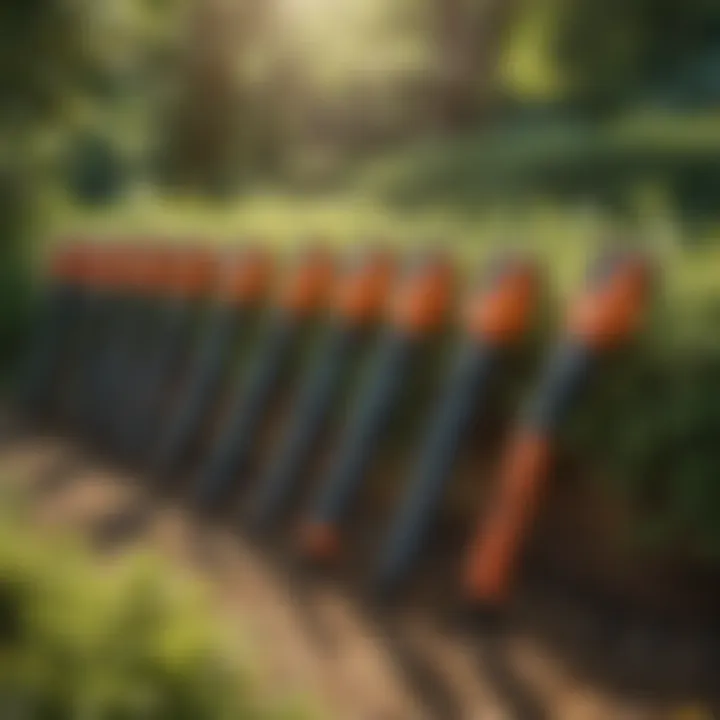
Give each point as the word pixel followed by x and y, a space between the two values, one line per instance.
pixel 652 426
pixel 130 641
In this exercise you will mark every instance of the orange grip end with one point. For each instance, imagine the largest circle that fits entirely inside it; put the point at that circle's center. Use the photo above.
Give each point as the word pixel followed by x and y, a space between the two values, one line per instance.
pixel 97 267
pixel 125 267
pixel 246 277
pixel 107 267
pixel 493 551
pixel 502 314
pixel 320 542
pixel 194 272
pixel 608 315
pixel 362 294
pixel 68 263
pixel 150 269
pixel 308 288
pixel 424 298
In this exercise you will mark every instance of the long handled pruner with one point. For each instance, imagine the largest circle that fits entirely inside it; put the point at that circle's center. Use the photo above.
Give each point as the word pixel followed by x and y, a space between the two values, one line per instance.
pixel 59 315
pixel 245 278
pixel 498 315
pixel 106 278
pixel 417 313
pixel 357 304
pixel 145 269
pixel 190 280
pixel 304 294
pixel 90 334
pixel 606 315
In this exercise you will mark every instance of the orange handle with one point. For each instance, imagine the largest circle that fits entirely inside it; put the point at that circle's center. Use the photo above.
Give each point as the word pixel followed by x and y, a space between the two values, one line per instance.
pixel 607 313
pixel 424 297
pixel 496 544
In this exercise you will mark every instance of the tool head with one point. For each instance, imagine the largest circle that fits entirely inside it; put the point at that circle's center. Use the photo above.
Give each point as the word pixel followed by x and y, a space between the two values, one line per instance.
pixel 425 294
pixel 362 290
pixel 149 267
pixel 108 266
pixel 320 543
pixel 307 289
pixel 193 271
pixel 614 302
pixel 245 275
pixel 501 308
pixel 73 262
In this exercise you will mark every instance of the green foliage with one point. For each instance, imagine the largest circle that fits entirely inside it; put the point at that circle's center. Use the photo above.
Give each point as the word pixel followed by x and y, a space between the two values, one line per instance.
pixel 652 424
pixel 605 54
pixel 16 202
pixel 95 169
pixel 41 55
pixel 126 641
pixel 563 159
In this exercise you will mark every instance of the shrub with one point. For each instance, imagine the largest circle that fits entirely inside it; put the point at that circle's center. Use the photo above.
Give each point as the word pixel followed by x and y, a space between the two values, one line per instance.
pixel 15 205
pixel 652 424
pixel 129 641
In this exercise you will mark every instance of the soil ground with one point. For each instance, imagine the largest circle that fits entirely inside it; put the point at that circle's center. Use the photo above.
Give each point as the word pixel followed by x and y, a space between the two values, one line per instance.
pixel 557 658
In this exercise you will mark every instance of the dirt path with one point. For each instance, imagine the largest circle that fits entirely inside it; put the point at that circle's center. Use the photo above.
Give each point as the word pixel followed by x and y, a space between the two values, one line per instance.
pixel 312 636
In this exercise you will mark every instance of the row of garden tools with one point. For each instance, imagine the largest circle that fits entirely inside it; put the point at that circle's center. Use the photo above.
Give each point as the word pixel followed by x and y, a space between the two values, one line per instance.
pixel 172 357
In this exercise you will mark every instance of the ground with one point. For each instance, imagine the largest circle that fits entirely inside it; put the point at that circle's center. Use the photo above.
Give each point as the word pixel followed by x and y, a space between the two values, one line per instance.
pixel 311 635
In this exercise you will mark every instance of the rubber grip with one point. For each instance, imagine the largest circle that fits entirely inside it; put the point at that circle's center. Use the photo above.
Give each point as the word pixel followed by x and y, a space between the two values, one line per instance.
pixel 494 549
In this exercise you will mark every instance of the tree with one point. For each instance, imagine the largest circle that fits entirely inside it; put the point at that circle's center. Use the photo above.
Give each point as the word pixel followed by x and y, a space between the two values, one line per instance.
pixel 41 59
pixel 470 37
pixel 202 126
pixel 609 50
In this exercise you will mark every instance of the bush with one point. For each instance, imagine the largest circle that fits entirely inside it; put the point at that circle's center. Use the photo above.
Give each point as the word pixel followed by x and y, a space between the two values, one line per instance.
pixel 15 292
pixel 130 642
pixel 563 159
pixel 95 170
pixel 652 424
